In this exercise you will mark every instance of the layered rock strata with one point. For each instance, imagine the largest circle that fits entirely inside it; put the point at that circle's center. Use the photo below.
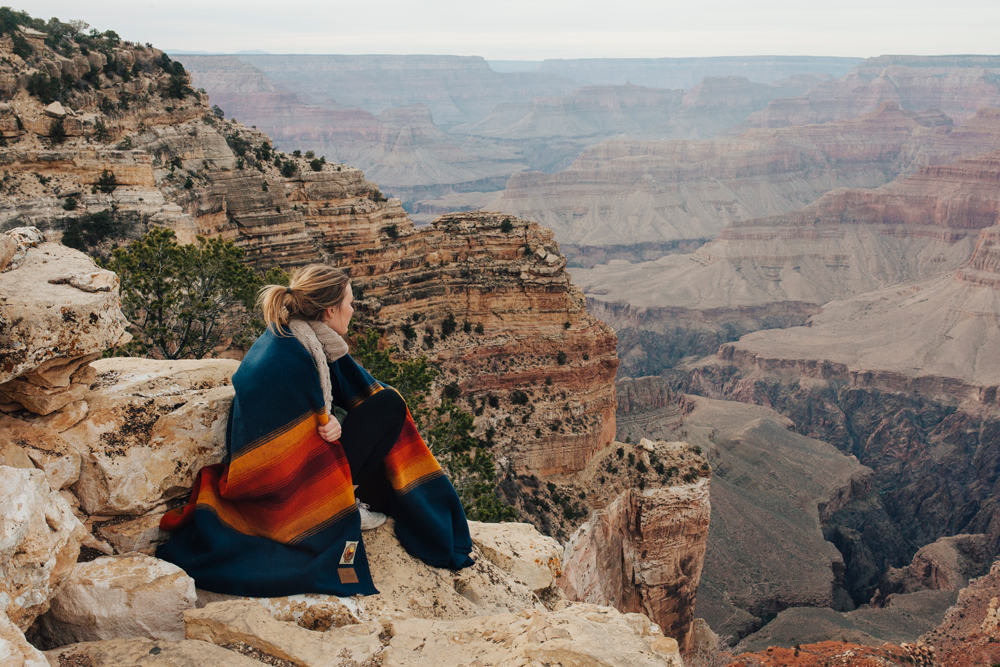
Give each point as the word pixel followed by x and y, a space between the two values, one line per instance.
pixel 643 551
pixel 957 85
pixel 774 495
pixel 536 339
pixel 623 193
pixel 775 272
pixel 904 379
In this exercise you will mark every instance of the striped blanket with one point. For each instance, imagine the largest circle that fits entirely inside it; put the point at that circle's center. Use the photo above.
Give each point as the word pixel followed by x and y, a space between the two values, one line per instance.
pixel 278 515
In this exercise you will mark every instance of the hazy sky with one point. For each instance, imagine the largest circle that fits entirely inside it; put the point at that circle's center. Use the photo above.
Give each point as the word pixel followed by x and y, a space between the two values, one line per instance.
pixel 537 29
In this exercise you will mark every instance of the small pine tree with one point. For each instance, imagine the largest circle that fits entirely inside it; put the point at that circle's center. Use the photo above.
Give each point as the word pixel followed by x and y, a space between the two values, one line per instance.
pixel 57 131
pixel 107 182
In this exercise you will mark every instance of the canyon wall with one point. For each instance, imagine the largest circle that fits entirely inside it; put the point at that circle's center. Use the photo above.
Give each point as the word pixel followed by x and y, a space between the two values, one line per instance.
pixel 624 194
pixel 442 133
pixel 774 272
pixel 957 85
pixel 687 72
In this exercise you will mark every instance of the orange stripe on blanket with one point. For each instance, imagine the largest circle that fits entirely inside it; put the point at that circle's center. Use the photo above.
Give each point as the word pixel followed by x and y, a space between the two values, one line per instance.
pixel 410 461
pixel 324 500
pixel 270 453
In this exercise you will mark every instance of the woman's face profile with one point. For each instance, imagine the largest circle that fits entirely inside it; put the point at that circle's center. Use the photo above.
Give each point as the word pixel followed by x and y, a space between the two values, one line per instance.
pixel 339 317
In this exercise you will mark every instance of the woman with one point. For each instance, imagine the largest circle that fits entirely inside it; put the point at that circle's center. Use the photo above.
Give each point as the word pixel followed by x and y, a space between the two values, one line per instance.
pixel 278 516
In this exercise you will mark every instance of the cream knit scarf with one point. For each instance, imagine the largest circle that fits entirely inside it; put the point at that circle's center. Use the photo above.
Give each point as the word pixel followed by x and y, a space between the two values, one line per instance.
pixel 326 346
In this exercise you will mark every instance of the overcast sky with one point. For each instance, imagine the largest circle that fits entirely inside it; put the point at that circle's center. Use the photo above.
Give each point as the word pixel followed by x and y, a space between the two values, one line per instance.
pixel 537 29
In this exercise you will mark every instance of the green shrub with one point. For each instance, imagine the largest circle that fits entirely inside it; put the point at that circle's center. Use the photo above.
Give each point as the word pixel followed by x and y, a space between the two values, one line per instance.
pixel 448 326
pixel 447 430
pixel 506 227
pixel 316 165
pixel 561 358
pixel 107 182
pixel 288 169
pixel 479 328
pixel 310 155
pixel 188 184
pixel 519 397
pixel 85 233
pixel 45 88
pixel 57 131
pixel 185 300
pixel 101 132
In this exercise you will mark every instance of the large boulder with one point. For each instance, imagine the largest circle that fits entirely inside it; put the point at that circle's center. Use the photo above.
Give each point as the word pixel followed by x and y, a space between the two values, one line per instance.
pixel 58 311
pixel 39 543
pixel 119 597
pixel 15 650
pixel 151 425
pixel 521 551
pixel 580 634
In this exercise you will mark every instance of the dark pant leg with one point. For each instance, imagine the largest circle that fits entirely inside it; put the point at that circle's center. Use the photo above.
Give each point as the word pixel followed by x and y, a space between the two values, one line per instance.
pixel 370 430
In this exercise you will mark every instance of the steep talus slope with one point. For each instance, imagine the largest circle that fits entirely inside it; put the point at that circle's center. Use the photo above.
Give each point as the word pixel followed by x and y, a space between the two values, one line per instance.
pixel 775 272
pixel 623 194
pixel 957 85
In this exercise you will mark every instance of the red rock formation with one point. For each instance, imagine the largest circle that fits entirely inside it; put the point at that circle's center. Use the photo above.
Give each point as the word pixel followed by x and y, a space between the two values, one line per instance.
pixel 969 634
pixel 827 653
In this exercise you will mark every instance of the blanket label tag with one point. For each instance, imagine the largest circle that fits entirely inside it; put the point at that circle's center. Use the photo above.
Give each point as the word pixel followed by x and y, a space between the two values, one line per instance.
pixel 347 575
pixel 350 550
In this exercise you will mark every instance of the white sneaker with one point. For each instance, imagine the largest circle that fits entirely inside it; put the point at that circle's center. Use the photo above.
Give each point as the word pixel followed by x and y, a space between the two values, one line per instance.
pixel 369 520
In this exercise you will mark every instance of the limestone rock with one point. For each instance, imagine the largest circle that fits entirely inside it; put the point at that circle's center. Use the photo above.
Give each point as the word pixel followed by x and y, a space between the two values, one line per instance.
pixel 644 551
pixel 147 653
pixel 15 650
pixel 151 426
pixel 8 247
pixel 142 534
pixel 54 328
pixel 39 543
pixel 117 597
pixel 44 447
pixel 521 551
pixel 55 110
pixel 24 238
pixel 244 621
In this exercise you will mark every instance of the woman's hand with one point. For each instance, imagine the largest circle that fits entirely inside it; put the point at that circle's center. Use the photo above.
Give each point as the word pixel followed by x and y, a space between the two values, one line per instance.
pixel 330 431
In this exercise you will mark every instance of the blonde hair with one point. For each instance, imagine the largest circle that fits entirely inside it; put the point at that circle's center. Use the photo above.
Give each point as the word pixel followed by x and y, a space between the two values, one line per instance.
pixel 313 289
